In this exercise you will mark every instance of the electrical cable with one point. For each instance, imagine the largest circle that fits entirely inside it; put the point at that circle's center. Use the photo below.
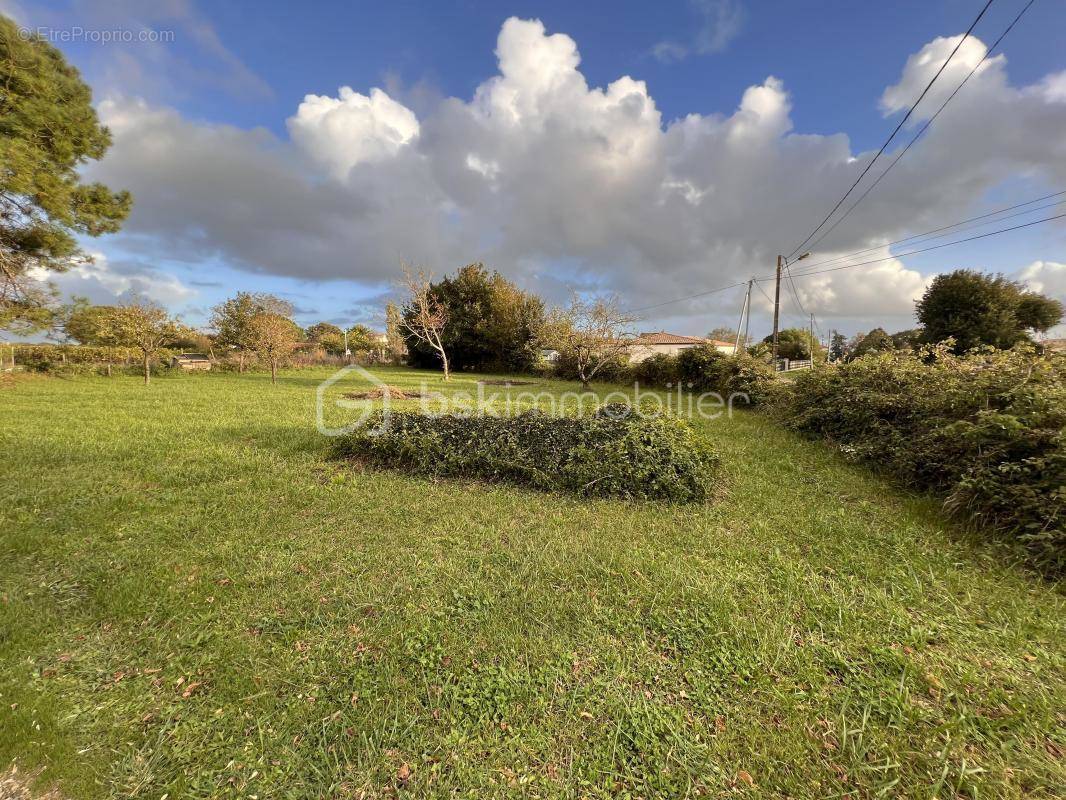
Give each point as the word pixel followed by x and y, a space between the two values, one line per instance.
pixel 902 122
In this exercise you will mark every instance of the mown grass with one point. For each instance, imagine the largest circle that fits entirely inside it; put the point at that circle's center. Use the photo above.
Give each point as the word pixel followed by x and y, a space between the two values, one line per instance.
pixel 196 602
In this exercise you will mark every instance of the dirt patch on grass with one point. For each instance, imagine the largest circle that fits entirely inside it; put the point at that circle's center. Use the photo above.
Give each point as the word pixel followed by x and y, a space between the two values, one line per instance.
pixel 506 383
pixel 14 785
pixel 392 392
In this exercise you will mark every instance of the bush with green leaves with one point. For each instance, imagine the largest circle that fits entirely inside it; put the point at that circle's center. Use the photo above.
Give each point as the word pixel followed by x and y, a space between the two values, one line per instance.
pixel 617 452
pixel 705 369
pixel 659 369
pixel 985 429
pixel 615 369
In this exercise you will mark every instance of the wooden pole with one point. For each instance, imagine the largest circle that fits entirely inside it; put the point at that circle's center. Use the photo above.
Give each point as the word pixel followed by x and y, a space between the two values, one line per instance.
pixel 745 311
pixel 777 308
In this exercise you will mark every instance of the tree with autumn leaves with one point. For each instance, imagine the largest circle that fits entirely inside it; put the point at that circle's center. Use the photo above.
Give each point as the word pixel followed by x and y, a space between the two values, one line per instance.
pixel 273 337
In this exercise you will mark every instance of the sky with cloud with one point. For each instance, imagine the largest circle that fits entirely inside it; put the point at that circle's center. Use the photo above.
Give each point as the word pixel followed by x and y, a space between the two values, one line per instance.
pixel 654 155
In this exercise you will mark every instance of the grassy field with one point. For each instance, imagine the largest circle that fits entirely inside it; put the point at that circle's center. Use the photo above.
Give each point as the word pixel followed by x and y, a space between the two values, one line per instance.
pixel 195 602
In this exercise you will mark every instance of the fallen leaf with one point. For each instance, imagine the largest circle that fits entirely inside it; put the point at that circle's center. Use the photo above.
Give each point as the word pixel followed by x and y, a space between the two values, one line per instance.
pixel 191 688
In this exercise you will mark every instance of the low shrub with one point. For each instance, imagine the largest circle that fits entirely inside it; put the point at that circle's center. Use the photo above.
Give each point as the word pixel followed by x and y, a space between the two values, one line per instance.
pixel 705 369
pixel 614 369
pixel 657 370
pixel 697 367
pixel 985 429
pixel 616 452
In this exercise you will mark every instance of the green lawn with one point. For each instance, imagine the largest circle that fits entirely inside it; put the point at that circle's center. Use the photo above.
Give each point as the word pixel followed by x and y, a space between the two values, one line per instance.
pixel 195 602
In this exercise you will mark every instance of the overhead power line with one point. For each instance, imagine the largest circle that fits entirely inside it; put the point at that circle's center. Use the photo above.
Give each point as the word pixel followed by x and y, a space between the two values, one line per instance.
pixel 935 233
pixel 793 317
pixel 888 141
pixel 795 294
pixel 924 127
pixel 905 239
pixel 688 297
pixel 927 249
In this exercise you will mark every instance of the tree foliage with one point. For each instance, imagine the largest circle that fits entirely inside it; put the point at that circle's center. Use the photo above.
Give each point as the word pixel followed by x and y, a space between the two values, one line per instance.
pixel 394 332
pixel 327 336
pixel 876 341
pixel 492 324
pixel 795 344
pixel 48 130
pixel 362 339
pixel 143 325
pixel 320 330
pixel 232 320
pixel 87 324
pixel 976 309
pixel 838 347
pixel 723 333
pixel 273 337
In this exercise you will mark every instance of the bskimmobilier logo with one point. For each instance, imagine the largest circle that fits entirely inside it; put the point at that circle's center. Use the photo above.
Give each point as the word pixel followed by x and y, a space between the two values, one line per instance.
pixel 364 408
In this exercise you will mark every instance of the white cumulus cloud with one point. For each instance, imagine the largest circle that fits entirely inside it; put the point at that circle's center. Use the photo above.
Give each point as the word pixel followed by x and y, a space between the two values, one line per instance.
pixel 340 132
pixel 554 182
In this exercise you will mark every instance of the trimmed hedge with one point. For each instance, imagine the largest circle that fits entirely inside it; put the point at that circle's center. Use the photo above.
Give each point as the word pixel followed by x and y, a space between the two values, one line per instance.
pixel 985 429
pixel 616 452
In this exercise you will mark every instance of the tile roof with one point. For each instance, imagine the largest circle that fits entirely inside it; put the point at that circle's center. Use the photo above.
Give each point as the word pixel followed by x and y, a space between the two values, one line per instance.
pixel 662 337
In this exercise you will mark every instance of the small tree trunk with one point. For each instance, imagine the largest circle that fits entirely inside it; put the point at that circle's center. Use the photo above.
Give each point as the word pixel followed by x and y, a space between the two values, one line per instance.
pixel 147 370
pixel 240 361
pixel 444 361
pixel 274 371
pixel 109 369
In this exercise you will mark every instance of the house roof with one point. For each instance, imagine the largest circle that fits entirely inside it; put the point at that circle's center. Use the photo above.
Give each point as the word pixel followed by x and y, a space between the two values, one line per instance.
pixel 662 337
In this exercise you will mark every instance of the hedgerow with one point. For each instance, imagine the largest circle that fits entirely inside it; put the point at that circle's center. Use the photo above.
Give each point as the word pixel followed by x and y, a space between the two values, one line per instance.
pixel 616 452
pixel 81 359
pixel 985 429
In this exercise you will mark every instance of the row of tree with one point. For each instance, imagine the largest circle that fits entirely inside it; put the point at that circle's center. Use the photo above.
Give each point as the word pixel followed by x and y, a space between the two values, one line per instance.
pixel 246 325
pixel 971 308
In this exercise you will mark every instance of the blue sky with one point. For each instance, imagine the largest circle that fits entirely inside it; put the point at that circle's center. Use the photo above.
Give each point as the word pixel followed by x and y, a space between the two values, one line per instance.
pixel 251 66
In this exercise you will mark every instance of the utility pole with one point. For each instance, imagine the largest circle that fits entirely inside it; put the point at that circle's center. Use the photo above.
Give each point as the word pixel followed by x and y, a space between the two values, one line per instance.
pixel 777 310
pixel 812 341
pixel 781 262
pixel 747 319
pixel 745 313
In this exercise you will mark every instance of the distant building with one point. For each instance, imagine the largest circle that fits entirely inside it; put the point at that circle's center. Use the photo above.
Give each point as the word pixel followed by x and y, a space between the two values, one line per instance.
pixel 649 344
pixel 191 361
pixel 1058 345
